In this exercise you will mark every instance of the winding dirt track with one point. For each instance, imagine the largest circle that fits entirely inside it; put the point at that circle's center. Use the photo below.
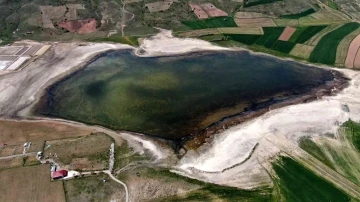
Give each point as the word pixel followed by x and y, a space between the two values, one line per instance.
pixel 120 182
pixel 123 23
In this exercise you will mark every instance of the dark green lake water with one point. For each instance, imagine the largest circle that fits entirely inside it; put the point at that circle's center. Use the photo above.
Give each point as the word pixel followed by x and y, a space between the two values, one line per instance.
pixel 176 96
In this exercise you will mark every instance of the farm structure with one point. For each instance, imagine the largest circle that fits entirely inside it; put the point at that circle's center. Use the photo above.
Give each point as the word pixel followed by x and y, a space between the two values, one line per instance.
pixel 59 174
pixel 18 55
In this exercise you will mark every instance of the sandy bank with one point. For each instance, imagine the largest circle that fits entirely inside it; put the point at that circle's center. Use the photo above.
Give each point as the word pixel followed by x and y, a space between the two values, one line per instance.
pixel 164 43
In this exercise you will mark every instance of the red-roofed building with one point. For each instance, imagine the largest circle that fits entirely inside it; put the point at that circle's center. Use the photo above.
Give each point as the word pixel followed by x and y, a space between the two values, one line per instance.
pixel 59 174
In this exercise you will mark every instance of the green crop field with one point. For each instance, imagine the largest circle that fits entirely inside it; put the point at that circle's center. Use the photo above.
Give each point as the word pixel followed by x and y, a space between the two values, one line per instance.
pixel 299 15
pixel 312 148
pixel 325 51
pixel 259 2
pixel 297 183
pixel 211 23
pixel 268 40
pixel 244 38
pixel 271 35
pixel 283 46
pixel 354 129
pixel 303 34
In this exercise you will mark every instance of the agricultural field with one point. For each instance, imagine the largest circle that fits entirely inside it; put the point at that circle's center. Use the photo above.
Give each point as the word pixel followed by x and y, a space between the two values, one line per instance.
pixel 11 163
pixel 341 154
pixel 314 40
pixel 324 51
pixel 353 133
pixel 211 23
pixel 308 185
pixel 331 3
pixel 17 133
pixel 84 153
pixel 352 51
pixel 30 183
pixel 303 34
pixel 255 22
pixel 93 188
pixel 302 51
pixel 278 8
pixel 160 185
pixel 351 8
pixel 299 15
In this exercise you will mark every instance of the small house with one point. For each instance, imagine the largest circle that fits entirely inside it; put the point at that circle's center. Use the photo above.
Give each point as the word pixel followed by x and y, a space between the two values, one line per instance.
pixel 59 174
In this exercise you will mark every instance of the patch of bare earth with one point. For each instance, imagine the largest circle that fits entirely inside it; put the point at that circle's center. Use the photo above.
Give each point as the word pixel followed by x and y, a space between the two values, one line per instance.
pixel 199 12
pixel 212 11
pixel 255 22
pixel 144 188
pixel 79 26
pixel 287 33
pixel 352 53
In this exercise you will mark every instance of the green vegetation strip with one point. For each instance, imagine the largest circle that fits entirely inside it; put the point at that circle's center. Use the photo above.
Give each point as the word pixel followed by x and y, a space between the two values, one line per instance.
pixel 325 51
pixel 268 40
pixel 270 37
pixel 211 23
pixel 354 131
pixel 259 2
pixel 130 40
pixel 243 38
pixel 312 148
pixel 299 15
pixel 212 191
pixel 296 183
pixel 303 34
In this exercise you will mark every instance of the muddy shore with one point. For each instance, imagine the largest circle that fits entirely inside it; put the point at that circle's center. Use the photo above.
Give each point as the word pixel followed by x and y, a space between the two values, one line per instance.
pixel 329 88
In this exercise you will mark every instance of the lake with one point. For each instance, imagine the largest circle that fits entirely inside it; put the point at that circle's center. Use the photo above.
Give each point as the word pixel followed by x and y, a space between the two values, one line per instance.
pixel 176 96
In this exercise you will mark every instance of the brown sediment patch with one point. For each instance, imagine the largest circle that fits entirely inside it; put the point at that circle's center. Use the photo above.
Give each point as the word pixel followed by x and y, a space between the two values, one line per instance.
pixel 79 26
pixel 287 33
pixel 212 11
pixel 255 22
pixel 352 52
pixel 259 108
pixel 199 12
